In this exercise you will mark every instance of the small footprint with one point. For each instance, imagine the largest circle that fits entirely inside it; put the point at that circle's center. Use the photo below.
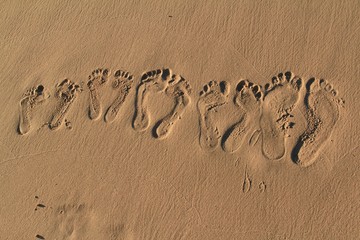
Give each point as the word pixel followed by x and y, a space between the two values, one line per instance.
pixel 66 92
pixel 322 113
pixel 212 96
pixel 248 97
pixel 179 89
pixel 280 98
pixel 96 80
pixel 123 82
pixel 30 100
pixel 152 81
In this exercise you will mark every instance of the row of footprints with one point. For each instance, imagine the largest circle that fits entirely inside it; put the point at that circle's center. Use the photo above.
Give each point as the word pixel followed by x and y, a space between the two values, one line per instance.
pixel 266 111
pixel 160 80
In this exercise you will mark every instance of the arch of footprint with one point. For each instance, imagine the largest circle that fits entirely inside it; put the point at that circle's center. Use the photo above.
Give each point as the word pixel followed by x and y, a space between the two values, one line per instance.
pixel 266 110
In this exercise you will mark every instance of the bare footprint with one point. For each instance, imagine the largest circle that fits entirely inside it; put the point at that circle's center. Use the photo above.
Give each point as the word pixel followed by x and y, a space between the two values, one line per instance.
pixel 248 97
pixel 96 80
pixel 212 96
pixel 30 99
pixel 72 221
pixel 322 113
pixel 66 91
pixel 180 90
pixel 152 81
pixel 123 82
pixel 280 98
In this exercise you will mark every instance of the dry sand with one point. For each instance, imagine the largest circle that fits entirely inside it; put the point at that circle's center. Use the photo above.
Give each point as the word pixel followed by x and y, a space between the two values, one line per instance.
pixel 193 137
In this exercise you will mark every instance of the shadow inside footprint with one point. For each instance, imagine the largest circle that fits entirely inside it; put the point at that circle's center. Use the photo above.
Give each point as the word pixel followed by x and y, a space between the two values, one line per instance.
pixel 295 152
pixel 228 133
pixel 153 131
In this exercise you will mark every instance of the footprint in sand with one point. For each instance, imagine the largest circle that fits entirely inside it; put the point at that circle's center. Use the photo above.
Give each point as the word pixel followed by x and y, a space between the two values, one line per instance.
pixel 212 96
pixel 72 221
pixel 322 113
pixel 67 92
pixel 280 98
pixel 248 97
pixel 96 80
pixel 30 99
pixel 152 81
pixel 179 89
pixel 123 81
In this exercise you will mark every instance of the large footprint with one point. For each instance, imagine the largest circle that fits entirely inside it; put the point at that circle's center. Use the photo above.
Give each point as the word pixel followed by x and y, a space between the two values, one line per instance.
pixel 180 90
pixel 96 80
pixel 30 99
pixel 322 113
pixel 123 82
pixel 279 100
pixel 152 81
pixel 212 96
pixel 67 92
pixel 248 97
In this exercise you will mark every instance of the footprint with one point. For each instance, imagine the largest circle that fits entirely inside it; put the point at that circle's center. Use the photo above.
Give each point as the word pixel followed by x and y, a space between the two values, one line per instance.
pixel 152 81
pixel 66 91
pixel 180 90
pixel 248 97
pixel 279 100
pixel 212 96
pixel 72 221
pixel 322 113
pixel 96 80
pixel 123 82
pixel 30 99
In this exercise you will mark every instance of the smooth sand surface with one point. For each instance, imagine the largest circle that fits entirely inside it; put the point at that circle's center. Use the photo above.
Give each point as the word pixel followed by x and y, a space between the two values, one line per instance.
pixel 177 145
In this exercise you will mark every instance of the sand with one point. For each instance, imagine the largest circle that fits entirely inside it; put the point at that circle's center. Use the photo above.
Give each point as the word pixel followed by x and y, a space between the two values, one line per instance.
pixel 179 120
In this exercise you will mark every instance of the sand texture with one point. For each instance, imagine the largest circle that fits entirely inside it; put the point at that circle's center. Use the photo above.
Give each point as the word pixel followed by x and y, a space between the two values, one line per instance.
pixel 179 120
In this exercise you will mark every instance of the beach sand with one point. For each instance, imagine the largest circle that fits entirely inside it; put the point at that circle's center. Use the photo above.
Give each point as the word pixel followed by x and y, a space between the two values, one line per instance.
pixel 179 120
